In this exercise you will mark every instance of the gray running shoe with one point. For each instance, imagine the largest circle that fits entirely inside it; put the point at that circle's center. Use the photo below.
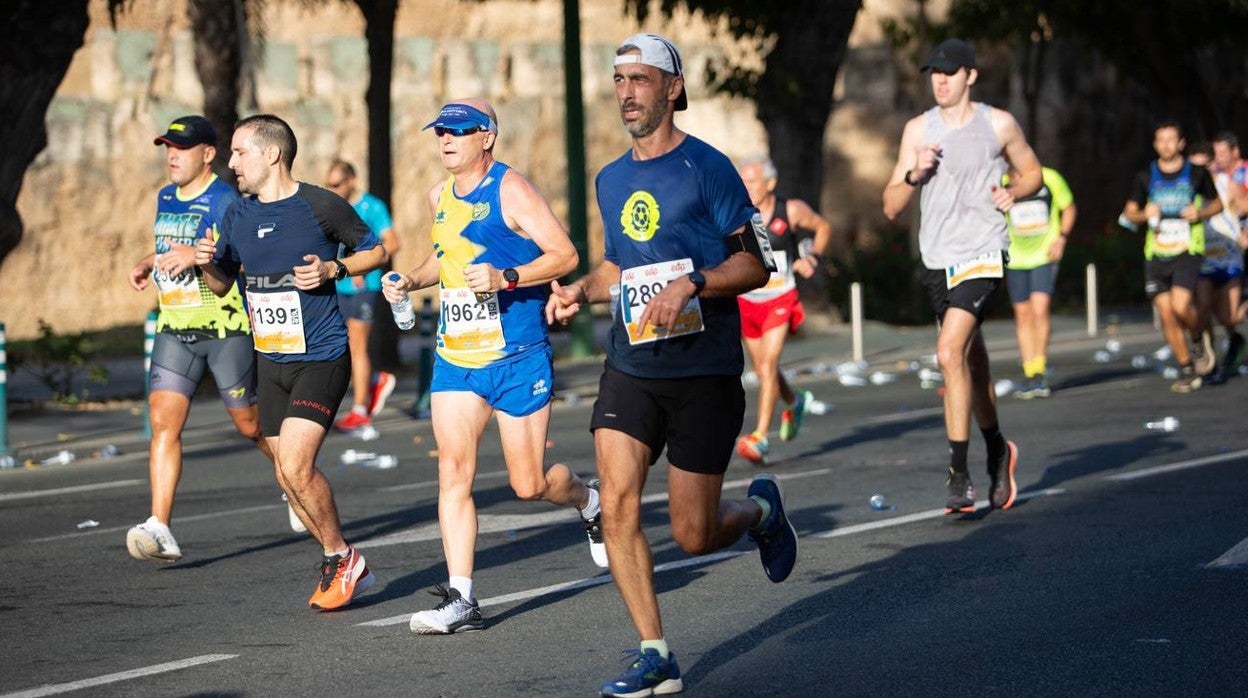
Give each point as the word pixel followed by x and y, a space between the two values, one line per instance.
pixel 1204 360
pixel 1026 390
pixel 593 529
pixel 453 615
pixel 152 540
pixel 961 493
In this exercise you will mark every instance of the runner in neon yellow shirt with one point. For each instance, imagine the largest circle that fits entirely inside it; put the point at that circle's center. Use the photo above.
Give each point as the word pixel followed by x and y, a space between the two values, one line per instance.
pixel 1039 227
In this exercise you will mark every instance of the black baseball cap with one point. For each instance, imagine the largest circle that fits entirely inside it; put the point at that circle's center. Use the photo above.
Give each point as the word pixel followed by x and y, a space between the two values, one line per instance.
pixel 950 55
pixel 187 132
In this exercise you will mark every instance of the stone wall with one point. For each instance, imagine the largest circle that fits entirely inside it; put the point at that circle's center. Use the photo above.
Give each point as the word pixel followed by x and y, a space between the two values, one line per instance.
pixel 88 200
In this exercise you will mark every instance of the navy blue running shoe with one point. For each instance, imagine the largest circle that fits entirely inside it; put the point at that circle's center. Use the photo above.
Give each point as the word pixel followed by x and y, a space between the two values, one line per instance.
pixel 775 537
pixel 649 675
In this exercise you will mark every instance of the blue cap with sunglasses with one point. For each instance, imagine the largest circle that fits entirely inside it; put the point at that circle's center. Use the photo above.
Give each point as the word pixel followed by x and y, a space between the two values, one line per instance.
pixel 461 119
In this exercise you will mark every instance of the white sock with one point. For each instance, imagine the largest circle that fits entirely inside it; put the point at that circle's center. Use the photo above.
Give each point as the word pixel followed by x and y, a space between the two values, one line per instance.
pixel 593 507
pixel 659 644
pixel 359 409
pixel 341 553
pixel 464 586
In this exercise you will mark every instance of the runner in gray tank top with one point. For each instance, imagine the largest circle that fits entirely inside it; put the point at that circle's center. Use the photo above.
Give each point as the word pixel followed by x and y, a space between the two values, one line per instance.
pixel 956 153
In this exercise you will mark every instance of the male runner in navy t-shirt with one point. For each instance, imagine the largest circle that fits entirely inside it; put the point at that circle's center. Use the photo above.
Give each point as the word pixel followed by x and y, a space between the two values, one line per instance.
pixel 284 237
pixel 682 241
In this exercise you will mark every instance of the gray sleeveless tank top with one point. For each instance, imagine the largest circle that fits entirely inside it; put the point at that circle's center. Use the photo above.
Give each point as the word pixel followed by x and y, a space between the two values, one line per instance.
pixel 957 218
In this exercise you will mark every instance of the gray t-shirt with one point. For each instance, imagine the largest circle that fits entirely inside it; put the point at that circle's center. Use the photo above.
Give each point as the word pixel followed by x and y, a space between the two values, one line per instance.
pixel 958 219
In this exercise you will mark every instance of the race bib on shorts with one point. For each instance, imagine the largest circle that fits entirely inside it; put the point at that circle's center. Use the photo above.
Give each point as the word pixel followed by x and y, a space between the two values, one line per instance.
pixel 1030 218
pixel 177 291
pixel 1174 236
pixel 470 322
pixel 986 266
pixel 276 322
pixel 639 285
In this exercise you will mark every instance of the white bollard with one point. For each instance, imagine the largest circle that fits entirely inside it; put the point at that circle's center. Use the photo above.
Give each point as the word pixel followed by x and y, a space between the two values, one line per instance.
pixel 855 313
pixel 1092 320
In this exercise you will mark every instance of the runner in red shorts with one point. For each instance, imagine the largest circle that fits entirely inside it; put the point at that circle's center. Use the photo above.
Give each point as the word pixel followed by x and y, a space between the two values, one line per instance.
pixel 771 313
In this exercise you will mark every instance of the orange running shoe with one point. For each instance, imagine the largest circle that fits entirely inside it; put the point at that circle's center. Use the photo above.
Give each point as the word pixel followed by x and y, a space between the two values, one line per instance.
pixel 753 447
pixel 342 576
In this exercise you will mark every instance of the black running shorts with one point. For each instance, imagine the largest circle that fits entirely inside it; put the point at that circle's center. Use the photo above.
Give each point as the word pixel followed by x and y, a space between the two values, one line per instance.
pixel 697 419
pixel 1164 273
pixel 971 295
pixel 310 390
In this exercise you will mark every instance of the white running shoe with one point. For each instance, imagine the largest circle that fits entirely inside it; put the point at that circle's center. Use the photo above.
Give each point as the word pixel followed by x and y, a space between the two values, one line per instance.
pixel 152 540
pixel 454 614
pixel 295 524
pixel 593 530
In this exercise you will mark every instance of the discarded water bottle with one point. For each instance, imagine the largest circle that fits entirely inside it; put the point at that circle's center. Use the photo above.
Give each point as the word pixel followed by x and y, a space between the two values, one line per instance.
pixel 88 523
pixel 852 380
pixel 1139 361
pixel 851 368
pixel 1102 357
pixel 108 451
pixel 818 407
pixel 404 315
pixel 881 378
pixel 1163 353
pixel 1003 387
pixel 878 503
pixel 7 461
pixel 1170 373
pixel 367 432
pixel 1167 424
pixel 61 458
pixel 1113 346
pixel 352 456
pixel 382 462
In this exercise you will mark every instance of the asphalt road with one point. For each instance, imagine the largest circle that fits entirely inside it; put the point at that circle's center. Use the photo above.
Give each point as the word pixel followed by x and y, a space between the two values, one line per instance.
pixel 1101 581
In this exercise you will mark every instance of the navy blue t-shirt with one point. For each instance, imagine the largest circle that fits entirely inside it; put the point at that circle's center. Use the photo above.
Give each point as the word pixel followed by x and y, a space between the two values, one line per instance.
pixel 676 206
pixel 268 240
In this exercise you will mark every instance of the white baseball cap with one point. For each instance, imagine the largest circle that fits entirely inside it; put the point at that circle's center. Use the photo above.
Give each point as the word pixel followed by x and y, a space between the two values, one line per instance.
pixel 656 52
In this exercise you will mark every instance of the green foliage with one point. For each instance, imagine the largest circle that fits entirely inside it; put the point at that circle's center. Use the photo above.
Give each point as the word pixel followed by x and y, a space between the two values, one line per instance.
pixel 57 360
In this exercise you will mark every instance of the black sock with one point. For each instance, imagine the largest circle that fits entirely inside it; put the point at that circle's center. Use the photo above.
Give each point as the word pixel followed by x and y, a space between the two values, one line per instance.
pixel 995 442
pixel 957 456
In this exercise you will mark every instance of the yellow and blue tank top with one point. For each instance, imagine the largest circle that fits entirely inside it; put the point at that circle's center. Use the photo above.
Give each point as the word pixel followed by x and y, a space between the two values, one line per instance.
pixel 187 306
pixel 470 229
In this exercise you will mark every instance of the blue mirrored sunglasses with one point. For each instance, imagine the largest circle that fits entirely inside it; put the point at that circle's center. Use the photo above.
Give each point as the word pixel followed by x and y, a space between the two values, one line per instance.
pixel 440 131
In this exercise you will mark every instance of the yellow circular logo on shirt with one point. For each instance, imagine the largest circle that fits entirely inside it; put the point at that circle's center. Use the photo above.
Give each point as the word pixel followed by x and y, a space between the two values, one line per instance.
pixel 480 211
pixel 640 217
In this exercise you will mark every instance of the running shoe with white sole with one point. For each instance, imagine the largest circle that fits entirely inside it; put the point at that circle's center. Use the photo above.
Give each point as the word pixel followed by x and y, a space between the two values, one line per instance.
pixel 649 674
pixel 454 614
pixel 593 530
pixel 152 540
pixel 342 577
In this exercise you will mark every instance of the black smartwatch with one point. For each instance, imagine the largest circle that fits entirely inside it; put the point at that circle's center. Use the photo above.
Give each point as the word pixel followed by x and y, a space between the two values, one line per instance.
pixel 906 178
pixel 512 277
pixel 699 282
pixel 342 271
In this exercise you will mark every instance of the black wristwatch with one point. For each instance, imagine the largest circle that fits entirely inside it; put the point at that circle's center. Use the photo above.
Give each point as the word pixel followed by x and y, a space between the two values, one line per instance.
pixel 512 277
pixel 699 282
pixel 906 178
pixel 342 271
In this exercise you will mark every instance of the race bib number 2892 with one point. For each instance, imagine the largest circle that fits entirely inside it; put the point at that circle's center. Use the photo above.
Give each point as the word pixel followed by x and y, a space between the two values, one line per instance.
pixel 639 285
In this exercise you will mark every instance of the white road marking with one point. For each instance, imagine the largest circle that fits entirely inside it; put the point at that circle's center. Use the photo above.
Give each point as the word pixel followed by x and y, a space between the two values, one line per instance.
pixel 12 496
pixel 53 689
pixel 921 516
pixel 1235 557
pixel 1181 465
pixel 180 520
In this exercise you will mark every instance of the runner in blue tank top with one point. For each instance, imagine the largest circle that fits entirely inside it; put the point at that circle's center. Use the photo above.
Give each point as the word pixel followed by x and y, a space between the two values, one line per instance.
pixel 285 235
pixel 682 241
pixel 496 245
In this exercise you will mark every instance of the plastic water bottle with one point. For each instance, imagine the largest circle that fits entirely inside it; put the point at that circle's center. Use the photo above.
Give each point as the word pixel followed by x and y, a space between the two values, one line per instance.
pixel 61 458
pixel 382 462
pixel 404 315
pixel 367 432
pixel 1003 387
pixel 352 456
pixel 818 407
pixel 878 503
pixel 7 461
pixel 1166 424
pixel 881 378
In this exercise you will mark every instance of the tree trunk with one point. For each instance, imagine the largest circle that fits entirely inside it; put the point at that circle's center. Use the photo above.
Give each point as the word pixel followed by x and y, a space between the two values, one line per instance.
pixel 795 90
pixel 379 15
pixel 39 42
pixel 219 31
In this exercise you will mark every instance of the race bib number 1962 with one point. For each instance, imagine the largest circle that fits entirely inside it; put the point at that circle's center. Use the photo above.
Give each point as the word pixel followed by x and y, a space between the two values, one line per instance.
pixel 469 322
pixel 639 285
